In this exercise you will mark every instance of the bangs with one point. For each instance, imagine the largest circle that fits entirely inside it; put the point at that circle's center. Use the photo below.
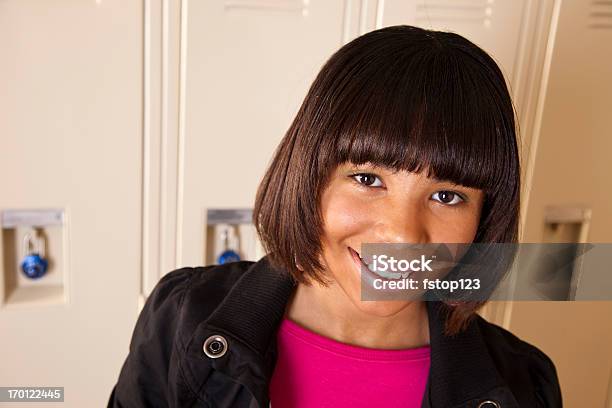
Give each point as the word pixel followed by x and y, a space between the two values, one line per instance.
pixel 432 111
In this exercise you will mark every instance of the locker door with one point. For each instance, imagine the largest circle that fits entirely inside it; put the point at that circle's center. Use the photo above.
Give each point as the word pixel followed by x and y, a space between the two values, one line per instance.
pixel 70 138
pixel 572 169
pixel 247 67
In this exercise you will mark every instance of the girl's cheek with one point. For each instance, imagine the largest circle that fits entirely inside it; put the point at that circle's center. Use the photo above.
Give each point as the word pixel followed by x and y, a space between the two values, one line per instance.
pixel 346 216
pixel 461 228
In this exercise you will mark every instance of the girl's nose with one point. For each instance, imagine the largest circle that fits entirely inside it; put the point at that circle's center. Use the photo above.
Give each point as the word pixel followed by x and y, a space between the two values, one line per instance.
pixel 402 225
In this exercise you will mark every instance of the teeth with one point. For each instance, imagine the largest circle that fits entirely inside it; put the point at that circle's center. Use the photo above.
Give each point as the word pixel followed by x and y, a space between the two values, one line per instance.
pixel 384 274
pixel 387 274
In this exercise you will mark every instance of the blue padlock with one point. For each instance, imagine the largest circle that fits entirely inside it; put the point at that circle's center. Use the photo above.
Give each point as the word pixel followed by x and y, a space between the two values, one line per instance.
pixel 34 264
pixel 228 255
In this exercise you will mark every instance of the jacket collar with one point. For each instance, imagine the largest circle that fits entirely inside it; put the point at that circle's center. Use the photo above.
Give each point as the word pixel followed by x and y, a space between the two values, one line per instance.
pixel 461 369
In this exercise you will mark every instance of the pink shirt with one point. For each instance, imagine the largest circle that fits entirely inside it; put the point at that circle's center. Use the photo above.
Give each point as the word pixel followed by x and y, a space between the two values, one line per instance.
pixel 316 371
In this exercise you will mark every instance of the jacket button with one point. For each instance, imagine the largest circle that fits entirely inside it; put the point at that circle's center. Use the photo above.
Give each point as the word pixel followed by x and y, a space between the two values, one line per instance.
pixel 215 346
pixel 489 404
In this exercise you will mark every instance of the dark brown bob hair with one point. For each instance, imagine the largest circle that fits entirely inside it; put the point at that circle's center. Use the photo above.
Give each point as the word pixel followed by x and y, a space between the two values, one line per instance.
pixel 405 98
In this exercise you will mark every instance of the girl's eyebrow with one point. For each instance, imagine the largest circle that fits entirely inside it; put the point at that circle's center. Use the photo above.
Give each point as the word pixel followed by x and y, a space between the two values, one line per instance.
pixel 374 166
pixel 443 181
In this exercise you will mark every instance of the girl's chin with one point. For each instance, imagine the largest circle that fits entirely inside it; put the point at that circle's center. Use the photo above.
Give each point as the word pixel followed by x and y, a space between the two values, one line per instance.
pixel 351 286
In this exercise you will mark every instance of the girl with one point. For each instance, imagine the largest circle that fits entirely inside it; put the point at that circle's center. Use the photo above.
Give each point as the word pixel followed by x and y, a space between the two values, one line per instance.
pixel 407 135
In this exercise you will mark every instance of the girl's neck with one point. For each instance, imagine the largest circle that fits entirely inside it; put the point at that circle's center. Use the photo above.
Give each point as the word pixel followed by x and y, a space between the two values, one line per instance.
pixel 330 313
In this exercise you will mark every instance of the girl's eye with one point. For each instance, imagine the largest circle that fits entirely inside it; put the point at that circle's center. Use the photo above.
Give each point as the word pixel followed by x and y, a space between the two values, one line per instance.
pixel 448 197
pixel 366 179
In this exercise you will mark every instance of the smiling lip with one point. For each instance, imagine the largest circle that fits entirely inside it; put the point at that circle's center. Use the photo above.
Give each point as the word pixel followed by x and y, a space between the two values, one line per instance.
pixel 361 265
pixel 357 258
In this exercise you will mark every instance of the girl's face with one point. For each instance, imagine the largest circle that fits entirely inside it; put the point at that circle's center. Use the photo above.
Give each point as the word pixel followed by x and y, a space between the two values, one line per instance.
pixel 368 204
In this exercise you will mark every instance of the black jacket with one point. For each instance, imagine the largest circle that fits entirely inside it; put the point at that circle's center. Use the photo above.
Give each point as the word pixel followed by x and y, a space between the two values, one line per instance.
pixel 238 307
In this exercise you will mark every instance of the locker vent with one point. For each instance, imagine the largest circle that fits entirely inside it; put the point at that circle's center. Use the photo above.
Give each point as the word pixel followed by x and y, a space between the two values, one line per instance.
pixel 436 12
pixel 295 6
pixel 600 15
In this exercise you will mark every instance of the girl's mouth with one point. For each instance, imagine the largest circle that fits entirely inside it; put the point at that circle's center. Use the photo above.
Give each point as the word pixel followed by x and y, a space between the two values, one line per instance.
pixel 360 263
